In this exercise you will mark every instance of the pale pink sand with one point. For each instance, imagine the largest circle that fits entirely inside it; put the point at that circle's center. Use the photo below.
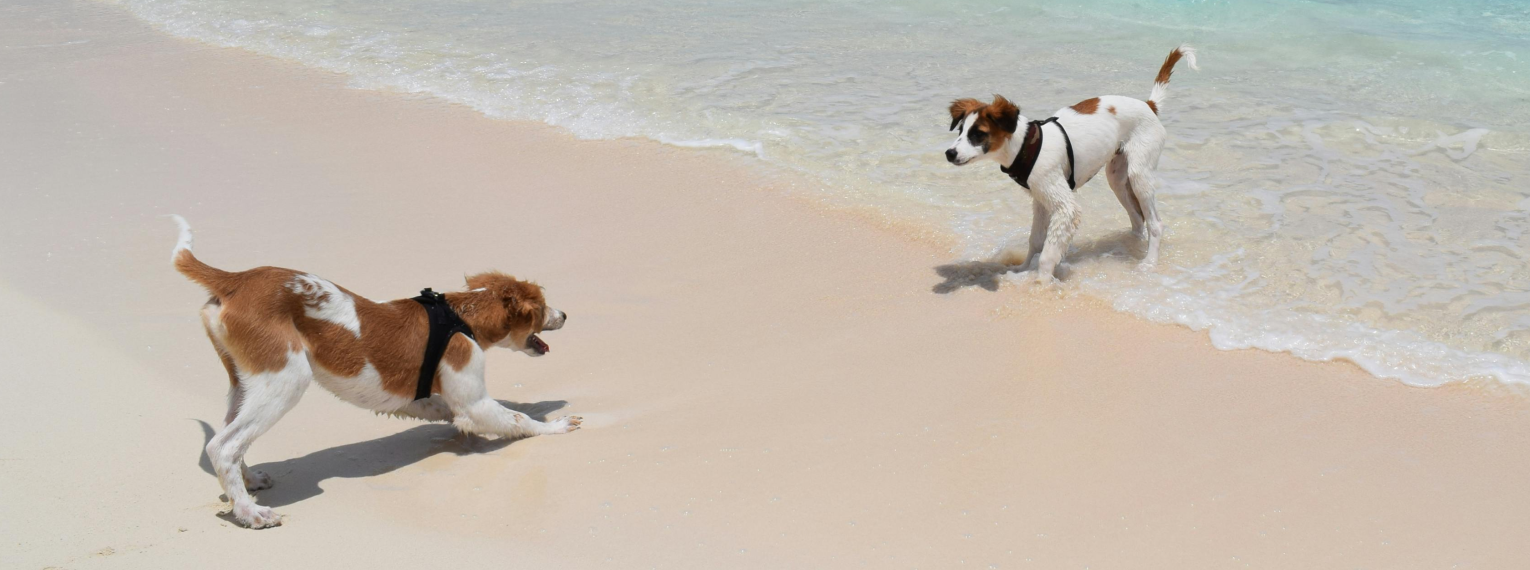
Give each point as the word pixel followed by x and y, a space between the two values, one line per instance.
pixel 765 384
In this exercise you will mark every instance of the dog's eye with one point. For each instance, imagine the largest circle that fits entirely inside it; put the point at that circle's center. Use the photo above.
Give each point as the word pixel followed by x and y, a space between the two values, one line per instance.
pixel 977 136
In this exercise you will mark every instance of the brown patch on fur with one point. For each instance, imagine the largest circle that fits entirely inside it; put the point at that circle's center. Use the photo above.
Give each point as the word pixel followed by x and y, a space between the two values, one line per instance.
pixel 259 347
pixel 1153 106
pixel 1087 106
pixel 256 339
pixel 393 338
pixel 458 353
pixel 1112 109
pixel 334 348
pixel 1168 66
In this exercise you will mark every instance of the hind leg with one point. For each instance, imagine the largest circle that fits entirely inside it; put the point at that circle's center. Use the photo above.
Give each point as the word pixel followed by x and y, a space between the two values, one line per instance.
pixel 1142 185
pixel 263 399
pixel 1122 185
pixel 253 480
pixel 1141 153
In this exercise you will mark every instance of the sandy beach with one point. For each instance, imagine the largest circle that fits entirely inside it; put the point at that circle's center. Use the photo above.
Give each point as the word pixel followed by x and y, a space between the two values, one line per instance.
pixel 766 382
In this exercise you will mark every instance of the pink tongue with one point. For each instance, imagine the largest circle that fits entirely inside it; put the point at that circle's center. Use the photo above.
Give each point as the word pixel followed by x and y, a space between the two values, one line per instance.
pixel 538 344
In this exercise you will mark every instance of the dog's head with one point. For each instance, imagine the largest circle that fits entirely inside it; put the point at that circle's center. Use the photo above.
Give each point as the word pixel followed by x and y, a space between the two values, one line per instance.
pixel 983 128
pixel 511 313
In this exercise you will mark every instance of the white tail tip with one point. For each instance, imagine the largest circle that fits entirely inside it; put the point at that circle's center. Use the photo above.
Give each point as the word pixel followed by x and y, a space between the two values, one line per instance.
pixel 1189 54
pixel 183 243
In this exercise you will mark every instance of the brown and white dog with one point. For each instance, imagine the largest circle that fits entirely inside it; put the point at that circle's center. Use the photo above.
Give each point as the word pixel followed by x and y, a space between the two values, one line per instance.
pixel 278 329
pixel 1119 132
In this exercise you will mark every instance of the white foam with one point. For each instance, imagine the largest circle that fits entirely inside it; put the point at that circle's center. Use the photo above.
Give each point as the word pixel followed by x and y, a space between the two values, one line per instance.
pixel 1400 355
pixel 755 148
pixel 1467 140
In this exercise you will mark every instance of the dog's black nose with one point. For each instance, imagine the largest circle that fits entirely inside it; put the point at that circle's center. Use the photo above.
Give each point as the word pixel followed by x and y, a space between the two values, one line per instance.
pixel 950 155
pixel 565 316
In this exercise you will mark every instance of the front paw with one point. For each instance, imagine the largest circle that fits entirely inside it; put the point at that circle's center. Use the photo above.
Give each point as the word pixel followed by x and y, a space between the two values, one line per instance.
pixel 257 481
pixel 255 516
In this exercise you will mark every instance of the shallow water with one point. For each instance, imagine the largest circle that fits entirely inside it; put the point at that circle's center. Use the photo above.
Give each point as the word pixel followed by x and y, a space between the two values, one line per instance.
pixel 1343 179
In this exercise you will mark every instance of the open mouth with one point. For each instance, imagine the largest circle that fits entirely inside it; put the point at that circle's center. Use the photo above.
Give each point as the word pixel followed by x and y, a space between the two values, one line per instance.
pixel 536 345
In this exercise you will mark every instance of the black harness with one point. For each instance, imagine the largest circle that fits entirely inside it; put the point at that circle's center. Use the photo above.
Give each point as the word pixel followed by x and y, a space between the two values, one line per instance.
pixel 444 323
pixel 1030 148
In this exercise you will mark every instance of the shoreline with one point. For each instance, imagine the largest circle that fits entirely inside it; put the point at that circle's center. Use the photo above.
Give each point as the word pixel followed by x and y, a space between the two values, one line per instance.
pixel 1406 353
pixel 765 383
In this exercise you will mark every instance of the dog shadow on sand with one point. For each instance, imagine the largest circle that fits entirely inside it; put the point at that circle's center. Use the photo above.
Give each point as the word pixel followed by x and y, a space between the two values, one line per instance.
pixel 988 275
pixel 298 479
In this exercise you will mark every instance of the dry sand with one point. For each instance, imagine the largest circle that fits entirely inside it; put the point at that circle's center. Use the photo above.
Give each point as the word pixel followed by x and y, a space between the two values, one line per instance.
pixel 765 384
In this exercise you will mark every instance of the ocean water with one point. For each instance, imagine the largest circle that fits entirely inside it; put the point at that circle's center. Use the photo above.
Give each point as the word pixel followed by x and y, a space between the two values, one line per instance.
pixel 1344 179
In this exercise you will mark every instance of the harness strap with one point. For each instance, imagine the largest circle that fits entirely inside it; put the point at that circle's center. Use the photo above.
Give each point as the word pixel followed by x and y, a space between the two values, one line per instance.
pixel 444 323
pixel 1030 149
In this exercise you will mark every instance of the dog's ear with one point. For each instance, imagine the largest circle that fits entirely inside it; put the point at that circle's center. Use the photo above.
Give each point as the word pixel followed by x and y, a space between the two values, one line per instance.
pixel 491 281
pixel 519 297
pixel 1003 114
pixel 526 300
pixel 960 108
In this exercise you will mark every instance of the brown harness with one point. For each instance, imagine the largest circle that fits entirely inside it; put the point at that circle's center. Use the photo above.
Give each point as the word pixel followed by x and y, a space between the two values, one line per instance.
pixel 1030 149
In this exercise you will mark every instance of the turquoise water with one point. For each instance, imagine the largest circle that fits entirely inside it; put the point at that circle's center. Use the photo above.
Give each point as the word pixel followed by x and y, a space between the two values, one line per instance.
pixel 1343 179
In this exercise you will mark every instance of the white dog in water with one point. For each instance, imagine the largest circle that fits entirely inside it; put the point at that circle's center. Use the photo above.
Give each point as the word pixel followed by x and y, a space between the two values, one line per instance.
pixel 1051 158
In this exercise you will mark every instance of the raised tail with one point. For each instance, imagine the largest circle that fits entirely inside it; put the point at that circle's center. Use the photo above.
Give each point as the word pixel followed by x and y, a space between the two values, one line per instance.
pixel 1161 83
pixel 205 275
